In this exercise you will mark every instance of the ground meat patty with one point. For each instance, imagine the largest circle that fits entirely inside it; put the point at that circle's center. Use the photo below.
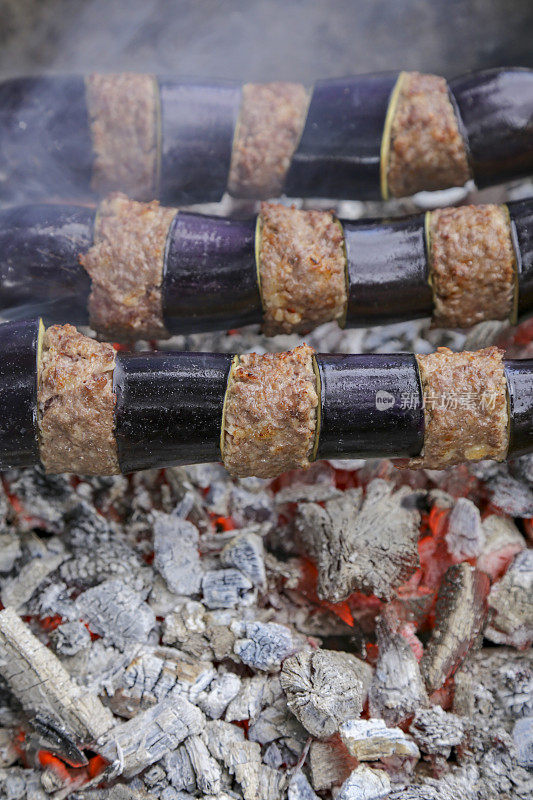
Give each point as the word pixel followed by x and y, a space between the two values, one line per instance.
pixel 124 119
pixel 76 404
pixel 270 125
pixel 126 267
pixel 473 270
pixel 302 268
pixel 271 413
pixel 426 148
pixel 465 407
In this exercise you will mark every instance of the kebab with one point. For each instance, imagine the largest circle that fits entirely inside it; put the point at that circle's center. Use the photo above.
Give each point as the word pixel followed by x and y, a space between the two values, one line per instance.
pixel 137 270
pixel 76 405
pixel 370 136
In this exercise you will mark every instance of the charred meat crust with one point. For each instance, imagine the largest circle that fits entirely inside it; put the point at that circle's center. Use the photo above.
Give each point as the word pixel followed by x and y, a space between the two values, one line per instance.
pixel 426 149
pixel 76 404
pixel 271 413
pixel 269 127
pixel 465 407
pixel 473 269
pixel 123 113
pixel 126 265
pixel 302 269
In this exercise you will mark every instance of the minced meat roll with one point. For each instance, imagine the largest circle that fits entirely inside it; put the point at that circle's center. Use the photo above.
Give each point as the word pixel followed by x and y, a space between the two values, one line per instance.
pixel 302 267
pixel 270 413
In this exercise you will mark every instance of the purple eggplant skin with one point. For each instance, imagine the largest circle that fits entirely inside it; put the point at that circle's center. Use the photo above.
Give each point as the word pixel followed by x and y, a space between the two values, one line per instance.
pixel 387 264
pixel 210 277
pixel 339 153
pixel 45 142
pixel 169 408
pixel 496 109
pixel 197 126
pixel 371 406
pixel 521 216
pixel 19 343
pixel 519 374
pixel 40 270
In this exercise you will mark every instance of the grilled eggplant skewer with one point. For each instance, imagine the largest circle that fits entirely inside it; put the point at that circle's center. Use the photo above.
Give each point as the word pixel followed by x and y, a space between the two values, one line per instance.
pixel 364 137
pixel 76 405
pixel 137 270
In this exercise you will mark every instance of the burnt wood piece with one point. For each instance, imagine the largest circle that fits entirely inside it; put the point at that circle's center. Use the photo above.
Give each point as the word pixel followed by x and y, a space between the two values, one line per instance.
pixel 339 154
pixel 197 126
pixel 19 345
pixel 40 270
pixel 169 408
pixel 210 275
pixel 496 108
pixel 370 406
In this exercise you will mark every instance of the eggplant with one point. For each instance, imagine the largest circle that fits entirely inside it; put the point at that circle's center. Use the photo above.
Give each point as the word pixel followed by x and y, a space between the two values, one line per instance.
pixel 496 108
pixel 40 271
pixel 19 352
pixel 387 265
pixel 519 375
pixel 45 141
pixel 339 154
pixel 169 408
pixel 210 275
pixel 521 216
pixel 197 126
pixel 370 406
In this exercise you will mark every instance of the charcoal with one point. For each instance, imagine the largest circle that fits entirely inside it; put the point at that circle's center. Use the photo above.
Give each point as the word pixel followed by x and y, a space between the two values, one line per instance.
pixel 367 545
pixel 179 769
pixel 17 590
pixel 511 496
pixel 117 613
pixel 300 788
pixel 248 506
pixel 42 685
pixel 330 763
pixel 275 723
pixel 511 600
pixel 139 742
pixel 365 783
pixel 108 560
pixel 523 739
pixel 397 689
pixel 465 536
pixel 323 688
pixel 176 553
pixel 188 618
pixel 503 541
pixel 308 492
pixel 263 645
pixel 87 528
pixel 44 499
pixel 242 758
pixel 206 768
pixel 226 588
pixel 8 751
pixel 245 552
pixel 272 756
pixel 461 611
pixel 247 704
pixel 371 740
pixel 10 550
pixel 21 784
pixel 222 691
pixel 458 786
pixel 69 638
pixel 437 731
pixel 522 468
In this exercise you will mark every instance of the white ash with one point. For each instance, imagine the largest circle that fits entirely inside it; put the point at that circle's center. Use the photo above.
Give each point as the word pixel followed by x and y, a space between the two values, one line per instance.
pixel 323 688
pixel 178 769
pixel 365 783
pixel 262 645
pixel 245 552
pixel 219 695
pixel 503 541
pixel 241 757
pixel 510 495
pixel 251 503
pixel 134 745
pixel 10 551
pixel 16 591
pixel 226 588
pixel 397 690
pixel 300 788
pixel 69 638
pixel 436 731
pixel 465 536
pixel 276 723
pixel 176 555
pixel 511 599
pixel 117 613
pixel 108 560
pixel 361 544
pixel 206 769
pixel 17 783
pixel 248 702
pixel 523 740
pixel 372 740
